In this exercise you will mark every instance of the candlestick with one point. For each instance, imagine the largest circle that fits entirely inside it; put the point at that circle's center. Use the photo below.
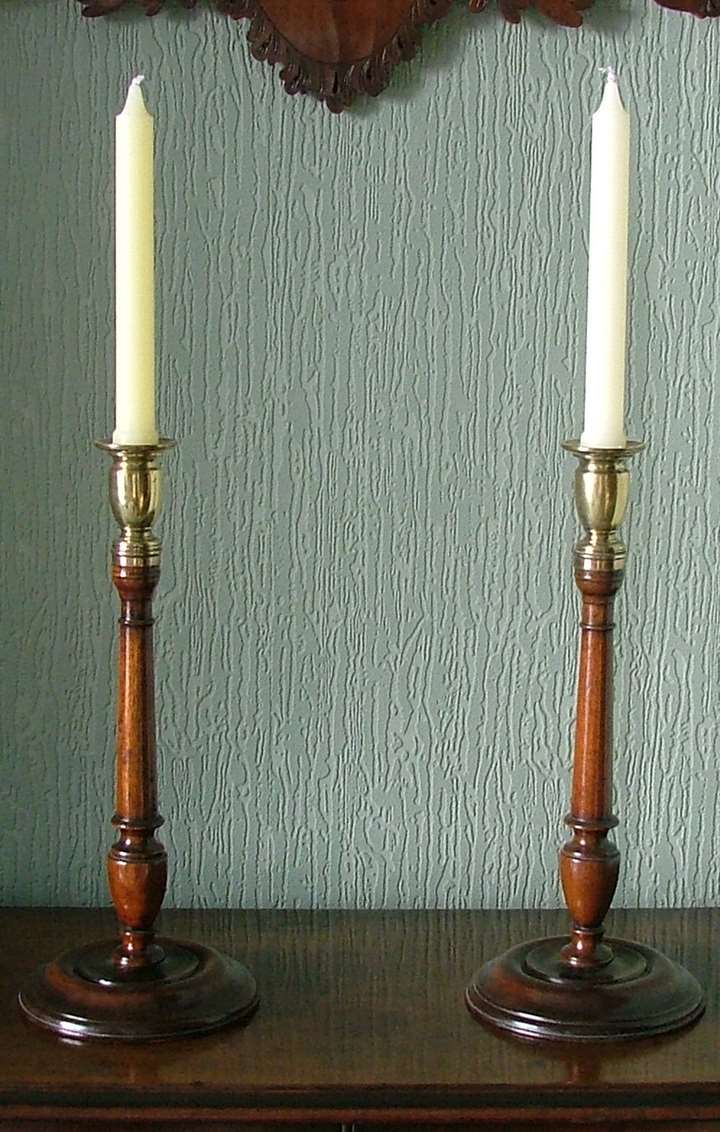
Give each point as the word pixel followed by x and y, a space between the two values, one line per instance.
pixel 138 987
pixel 586 987
pixel 607 272
pixel 134 273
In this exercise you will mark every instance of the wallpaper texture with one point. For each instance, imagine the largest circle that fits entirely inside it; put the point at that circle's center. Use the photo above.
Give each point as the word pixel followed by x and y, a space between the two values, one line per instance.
pixel 371 341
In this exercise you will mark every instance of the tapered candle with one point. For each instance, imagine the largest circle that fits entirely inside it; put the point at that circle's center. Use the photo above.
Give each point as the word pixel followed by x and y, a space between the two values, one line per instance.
pixel 134 273
pixel 607 272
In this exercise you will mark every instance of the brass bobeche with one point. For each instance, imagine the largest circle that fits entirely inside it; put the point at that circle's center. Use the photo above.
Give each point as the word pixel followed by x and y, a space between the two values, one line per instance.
pixel 135 484
pixel 602 490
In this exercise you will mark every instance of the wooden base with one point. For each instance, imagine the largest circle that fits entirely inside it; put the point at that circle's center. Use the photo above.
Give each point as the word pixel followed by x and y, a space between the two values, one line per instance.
pixel 190 990
pixel 530 992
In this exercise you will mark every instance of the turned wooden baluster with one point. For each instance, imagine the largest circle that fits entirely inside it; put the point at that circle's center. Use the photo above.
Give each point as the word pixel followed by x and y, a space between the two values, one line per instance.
pixel 137 862
pixel 589 863
pixel 140 988
pixel 587 987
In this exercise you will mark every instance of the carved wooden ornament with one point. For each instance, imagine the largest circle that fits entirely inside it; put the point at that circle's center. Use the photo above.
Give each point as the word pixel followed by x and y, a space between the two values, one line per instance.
pixel 337 49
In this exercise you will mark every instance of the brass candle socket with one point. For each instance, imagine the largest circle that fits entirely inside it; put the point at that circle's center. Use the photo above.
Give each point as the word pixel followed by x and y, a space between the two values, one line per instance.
pixel 602 492
pixel 135 496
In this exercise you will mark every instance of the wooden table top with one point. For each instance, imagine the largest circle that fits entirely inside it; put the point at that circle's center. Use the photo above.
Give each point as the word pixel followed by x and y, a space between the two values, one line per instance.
pixel 361 1014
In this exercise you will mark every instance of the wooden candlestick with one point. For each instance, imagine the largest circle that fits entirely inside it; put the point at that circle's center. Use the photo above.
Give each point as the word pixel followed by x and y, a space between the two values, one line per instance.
pixel 140 987
pixel 586 987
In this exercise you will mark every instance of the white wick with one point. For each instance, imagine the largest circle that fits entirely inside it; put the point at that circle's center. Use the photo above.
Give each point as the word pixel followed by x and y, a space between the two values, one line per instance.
pixel 141 79
pixel 610 74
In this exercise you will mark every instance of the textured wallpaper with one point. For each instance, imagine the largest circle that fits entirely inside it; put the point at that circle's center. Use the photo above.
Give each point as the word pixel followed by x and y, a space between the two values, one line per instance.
pixel 371 343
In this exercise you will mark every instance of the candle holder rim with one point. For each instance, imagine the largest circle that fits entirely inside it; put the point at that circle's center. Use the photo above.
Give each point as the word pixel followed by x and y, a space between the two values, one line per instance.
pixel 163 444
pixel 630 448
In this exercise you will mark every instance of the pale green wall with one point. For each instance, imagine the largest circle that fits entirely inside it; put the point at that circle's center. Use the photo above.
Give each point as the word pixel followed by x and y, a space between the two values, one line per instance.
pixel 371 341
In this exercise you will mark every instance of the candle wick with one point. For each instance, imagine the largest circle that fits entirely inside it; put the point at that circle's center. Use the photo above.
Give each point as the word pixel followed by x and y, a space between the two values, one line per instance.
pixel 610 73
pixel 138 80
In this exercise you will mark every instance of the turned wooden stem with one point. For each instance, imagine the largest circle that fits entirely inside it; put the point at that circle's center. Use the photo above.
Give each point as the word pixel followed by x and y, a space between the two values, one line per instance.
pixel 589 863
pixel 137 862
pixel 586 988
pixel 137 989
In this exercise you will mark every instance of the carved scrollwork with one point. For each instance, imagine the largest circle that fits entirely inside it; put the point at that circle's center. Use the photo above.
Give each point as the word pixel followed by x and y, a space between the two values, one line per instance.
pixel 701 8
pixel 338 51
pixel 564 12
pixel 336 82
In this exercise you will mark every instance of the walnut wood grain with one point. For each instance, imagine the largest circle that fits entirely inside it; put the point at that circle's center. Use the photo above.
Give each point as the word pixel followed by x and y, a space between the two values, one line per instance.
pixel 362 1021
pixel 137 862
pixel 504 1126
pixel 589 863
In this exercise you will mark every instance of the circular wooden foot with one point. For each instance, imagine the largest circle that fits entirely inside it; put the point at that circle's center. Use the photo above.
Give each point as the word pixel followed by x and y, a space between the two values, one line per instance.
pixel 530 992
pixel 191 990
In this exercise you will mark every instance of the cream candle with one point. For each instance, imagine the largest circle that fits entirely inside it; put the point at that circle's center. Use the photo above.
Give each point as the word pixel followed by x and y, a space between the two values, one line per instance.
pixel 134 273
pixel 607 272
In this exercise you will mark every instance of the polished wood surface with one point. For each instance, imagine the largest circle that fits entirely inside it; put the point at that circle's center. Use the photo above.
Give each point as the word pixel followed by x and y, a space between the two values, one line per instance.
pixel 137 862
pixel 589 863
pixel 362 1022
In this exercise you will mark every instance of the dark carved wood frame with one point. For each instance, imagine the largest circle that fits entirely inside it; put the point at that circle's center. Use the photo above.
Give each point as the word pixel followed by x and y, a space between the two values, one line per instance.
pixel 336 83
